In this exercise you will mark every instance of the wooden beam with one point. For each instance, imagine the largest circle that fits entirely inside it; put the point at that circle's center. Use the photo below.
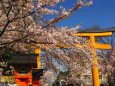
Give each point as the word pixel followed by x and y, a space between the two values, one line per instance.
pixel 94 34
pixel 102 46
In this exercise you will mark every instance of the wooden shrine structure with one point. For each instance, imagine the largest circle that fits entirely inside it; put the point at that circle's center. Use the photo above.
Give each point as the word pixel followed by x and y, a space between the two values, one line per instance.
pixel 25 69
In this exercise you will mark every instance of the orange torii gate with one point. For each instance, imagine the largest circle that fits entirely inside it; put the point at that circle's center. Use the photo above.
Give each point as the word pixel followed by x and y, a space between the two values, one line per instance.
pixel 92 34
pixel 95 73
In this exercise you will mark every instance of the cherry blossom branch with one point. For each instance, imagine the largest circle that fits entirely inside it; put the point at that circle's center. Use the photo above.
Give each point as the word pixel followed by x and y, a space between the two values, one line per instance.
pixel 17 40
pixel 77 6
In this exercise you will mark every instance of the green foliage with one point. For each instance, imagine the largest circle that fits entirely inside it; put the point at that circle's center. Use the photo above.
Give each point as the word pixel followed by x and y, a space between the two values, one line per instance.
pixel 6 56
pixel 61 75
pixel 64 73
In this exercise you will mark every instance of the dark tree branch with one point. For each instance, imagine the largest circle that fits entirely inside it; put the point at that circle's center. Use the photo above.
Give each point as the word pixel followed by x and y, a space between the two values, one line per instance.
pixel 5 27
pixel 16 40
pixel 15 18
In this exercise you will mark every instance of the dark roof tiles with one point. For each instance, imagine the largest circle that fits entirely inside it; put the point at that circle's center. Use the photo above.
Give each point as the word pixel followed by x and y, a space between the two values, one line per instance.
pixel 94 30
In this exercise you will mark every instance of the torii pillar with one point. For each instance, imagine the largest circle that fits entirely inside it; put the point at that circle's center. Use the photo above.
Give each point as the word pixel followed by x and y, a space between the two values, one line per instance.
pixel 37 70
pixel 92 36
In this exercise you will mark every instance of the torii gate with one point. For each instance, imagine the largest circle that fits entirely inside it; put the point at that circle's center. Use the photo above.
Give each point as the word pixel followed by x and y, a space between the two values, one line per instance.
pixel 92 34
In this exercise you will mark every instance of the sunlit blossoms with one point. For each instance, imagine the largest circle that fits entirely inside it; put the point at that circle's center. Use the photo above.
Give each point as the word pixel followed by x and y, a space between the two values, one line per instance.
pixel 23 28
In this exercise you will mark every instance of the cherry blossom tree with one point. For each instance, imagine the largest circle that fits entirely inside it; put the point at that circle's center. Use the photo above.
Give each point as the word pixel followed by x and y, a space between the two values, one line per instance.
pixel 22 21
pixel 24 28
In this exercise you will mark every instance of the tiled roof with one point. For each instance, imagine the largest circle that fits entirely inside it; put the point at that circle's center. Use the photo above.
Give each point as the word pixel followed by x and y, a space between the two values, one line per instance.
pixel 23 59
pixel 94 30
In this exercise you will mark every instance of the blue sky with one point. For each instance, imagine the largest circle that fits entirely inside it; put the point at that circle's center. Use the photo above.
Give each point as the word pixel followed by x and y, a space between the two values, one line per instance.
pixel 101 13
